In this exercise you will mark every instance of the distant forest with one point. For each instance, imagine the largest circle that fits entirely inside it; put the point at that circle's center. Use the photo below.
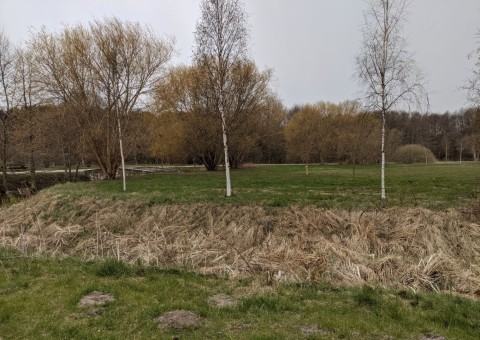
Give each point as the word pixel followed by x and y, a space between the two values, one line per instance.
pixel 320 133
pixel 104 93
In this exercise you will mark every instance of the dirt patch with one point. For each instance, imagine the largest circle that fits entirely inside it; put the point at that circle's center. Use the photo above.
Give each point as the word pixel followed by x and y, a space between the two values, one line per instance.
pixel 95 298
pixel 179 319
pixel 222 301
pixel 311 330
pixel 94 303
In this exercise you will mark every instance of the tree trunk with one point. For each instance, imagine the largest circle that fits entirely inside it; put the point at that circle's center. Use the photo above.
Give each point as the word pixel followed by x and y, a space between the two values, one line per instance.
pixel 209 160
pixel 382 177
pixel 446 151
pixel 4 156
pixel 225 149
pixel 76 170
pixel 33 176
pixel 461 151
pixel 120 139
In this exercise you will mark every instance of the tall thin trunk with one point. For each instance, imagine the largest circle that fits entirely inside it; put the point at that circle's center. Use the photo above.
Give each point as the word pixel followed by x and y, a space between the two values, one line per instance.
pixel 76 170
pixel 33 176
pixel 227 161
pixel 120 139
pixel 4 156
pixel 461 151
pixel 116 97
pixel 382 177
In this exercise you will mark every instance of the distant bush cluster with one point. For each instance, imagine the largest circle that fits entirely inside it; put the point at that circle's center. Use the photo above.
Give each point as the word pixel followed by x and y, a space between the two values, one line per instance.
pixel 413 153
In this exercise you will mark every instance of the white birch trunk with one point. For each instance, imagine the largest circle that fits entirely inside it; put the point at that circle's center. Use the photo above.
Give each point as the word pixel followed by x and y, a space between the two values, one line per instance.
pixel 382 176
pixel 227 162
pixel 120 139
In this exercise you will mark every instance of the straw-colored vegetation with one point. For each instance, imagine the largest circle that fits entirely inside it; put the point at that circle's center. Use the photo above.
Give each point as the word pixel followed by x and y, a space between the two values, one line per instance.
pixel 413 153
pixel 284 255
pixel 396 247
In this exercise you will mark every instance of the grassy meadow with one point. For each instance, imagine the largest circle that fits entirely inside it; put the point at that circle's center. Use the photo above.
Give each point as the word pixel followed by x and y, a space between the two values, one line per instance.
pixel 434 186
pixel 39 299
pixel 360 267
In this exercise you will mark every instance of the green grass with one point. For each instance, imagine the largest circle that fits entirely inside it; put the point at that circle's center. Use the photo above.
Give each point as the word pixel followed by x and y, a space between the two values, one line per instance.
pixel 38 299
pixel 435 186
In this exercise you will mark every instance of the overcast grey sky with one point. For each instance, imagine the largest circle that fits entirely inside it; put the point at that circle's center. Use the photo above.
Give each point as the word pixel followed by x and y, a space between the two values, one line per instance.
pixel 310 44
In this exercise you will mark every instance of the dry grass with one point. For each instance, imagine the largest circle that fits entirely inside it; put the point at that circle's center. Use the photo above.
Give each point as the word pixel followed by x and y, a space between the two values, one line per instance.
pixel 396 247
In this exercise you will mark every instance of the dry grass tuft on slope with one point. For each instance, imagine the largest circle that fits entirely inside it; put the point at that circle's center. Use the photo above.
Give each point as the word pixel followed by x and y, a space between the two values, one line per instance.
pixel 397 247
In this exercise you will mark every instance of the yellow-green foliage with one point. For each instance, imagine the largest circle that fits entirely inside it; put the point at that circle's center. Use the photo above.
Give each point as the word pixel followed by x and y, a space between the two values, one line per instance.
pixel 413 153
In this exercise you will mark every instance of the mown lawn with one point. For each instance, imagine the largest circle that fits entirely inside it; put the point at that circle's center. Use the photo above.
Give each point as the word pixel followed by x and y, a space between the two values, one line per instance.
pixel 434 186
pixel 39 297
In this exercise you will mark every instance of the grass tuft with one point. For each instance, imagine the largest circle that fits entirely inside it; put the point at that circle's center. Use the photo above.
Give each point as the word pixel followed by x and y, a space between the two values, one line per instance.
pixel 368 297
pixel 113 268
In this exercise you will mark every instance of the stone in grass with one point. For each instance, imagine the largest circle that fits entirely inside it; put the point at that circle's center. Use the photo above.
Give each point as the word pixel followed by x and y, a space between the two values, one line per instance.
pixel 179 320
pixel 95 302
pixel 222 301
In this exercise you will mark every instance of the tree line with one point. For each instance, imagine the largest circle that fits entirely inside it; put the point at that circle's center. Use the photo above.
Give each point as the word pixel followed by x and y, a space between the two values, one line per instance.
pixel 312 133
pixel 105 94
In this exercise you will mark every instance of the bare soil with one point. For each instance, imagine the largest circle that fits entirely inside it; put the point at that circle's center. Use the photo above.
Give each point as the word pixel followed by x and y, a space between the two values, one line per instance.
pixel 222 301
pixel 94 303
pixel 95 299
pixel 179 319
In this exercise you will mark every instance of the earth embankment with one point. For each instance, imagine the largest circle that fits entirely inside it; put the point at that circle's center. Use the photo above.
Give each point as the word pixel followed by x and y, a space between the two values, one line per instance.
pixel 415 248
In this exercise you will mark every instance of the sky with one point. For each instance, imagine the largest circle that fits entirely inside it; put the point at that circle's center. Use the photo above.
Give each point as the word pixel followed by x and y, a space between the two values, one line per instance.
pixel 309 44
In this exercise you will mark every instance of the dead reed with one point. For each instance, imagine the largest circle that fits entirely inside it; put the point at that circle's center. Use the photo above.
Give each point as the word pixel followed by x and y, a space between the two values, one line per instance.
pixel 397 247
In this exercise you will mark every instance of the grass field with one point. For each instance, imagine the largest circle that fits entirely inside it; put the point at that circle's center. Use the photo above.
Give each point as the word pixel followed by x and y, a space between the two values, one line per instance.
pixel 39 297
pixel 434 186
pixel 275 221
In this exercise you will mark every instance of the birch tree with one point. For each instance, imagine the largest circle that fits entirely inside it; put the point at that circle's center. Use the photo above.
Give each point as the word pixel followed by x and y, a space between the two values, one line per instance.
pixel 473 84
pixel 183 102
pixel 8 86
pixel 385 69
pixel 129 62
pixel 102 73
pixel 220 45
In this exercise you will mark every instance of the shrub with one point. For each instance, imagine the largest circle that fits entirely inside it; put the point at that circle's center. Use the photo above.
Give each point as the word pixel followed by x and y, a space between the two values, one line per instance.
pixel 413 153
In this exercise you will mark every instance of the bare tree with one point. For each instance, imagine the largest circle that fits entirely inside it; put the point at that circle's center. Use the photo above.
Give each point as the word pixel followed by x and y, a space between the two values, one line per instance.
pixel 473 84
pixel 102 73
pixel 385 69
pixel 183 103
pixel 129 62
pixel 221 43
pixel 25 78
pixel 7 80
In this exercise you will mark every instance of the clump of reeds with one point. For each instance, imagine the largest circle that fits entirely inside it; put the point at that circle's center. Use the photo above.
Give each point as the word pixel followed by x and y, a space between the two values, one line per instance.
pixel 402 247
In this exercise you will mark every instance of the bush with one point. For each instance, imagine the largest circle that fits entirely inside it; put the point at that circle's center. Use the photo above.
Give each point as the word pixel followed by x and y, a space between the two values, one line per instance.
pixel 413 153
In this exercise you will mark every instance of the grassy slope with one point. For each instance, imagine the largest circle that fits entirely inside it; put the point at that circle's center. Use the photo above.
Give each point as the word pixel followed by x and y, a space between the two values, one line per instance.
pixel 38 298
pixel 435 186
